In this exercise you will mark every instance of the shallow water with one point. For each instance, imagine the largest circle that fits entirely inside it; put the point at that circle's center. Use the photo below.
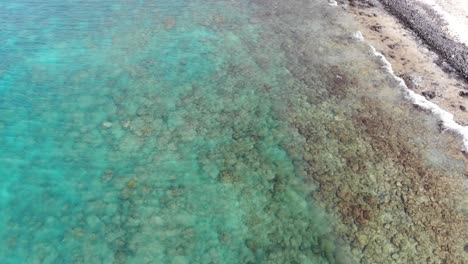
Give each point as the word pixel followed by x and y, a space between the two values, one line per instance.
pixel 192 132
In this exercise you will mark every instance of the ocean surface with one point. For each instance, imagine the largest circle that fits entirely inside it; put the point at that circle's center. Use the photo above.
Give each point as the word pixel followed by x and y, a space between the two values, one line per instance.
pixel 192 131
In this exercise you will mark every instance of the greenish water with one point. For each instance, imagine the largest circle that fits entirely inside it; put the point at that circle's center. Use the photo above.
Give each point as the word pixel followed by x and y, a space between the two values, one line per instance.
pixel 191 131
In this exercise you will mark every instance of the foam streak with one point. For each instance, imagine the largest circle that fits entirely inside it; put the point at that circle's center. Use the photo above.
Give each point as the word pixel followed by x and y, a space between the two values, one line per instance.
pixel 445 117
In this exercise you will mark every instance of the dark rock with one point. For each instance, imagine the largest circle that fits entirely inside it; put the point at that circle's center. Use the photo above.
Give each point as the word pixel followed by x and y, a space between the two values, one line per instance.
pixel 465 154
pixel 362 3
pixel 169 23
pixel 376 28
pixel 409 81
pixel 429 94
pixel 393 46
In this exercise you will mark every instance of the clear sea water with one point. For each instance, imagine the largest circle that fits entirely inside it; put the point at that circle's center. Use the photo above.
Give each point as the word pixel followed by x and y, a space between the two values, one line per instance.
pixel 125 139
pixel 163 132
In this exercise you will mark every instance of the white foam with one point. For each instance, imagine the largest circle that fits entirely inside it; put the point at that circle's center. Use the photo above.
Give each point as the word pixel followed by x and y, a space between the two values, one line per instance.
pixel 358 36
pixel 332 3
pixel 447 118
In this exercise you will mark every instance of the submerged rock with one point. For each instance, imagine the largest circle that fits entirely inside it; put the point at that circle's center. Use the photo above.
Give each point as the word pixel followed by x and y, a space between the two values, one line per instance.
pixel 169 23
pixel 107 124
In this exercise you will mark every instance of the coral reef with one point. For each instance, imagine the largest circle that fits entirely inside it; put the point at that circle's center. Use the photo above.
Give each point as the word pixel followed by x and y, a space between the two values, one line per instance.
pixel 222 132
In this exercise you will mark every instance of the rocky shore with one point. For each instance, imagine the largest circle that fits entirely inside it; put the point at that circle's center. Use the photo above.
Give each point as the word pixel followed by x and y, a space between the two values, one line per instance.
pixel 419 48
pixel 431 27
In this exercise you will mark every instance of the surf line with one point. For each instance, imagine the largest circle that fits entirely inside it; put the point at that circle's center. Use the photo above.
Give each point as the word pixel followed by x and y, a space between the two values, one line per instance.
pixel 446 118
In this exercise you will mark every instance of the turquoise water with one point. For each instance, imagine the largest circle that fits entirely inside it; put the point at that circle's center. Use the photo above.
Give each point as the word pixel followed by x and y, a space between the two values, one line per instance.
pixel 189 131
pixel 145 132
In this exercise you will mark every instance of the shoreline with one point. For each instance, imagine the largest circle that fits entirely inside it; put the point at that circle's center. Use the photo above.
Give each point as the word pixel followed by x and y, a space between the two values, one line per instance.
pixel 429 24
pixel 424 71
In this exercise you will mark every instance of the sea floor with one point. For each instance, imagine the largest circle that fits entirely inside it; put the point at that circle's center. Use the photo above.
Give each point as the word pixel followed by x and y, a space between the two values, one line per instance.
pixel 242 131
